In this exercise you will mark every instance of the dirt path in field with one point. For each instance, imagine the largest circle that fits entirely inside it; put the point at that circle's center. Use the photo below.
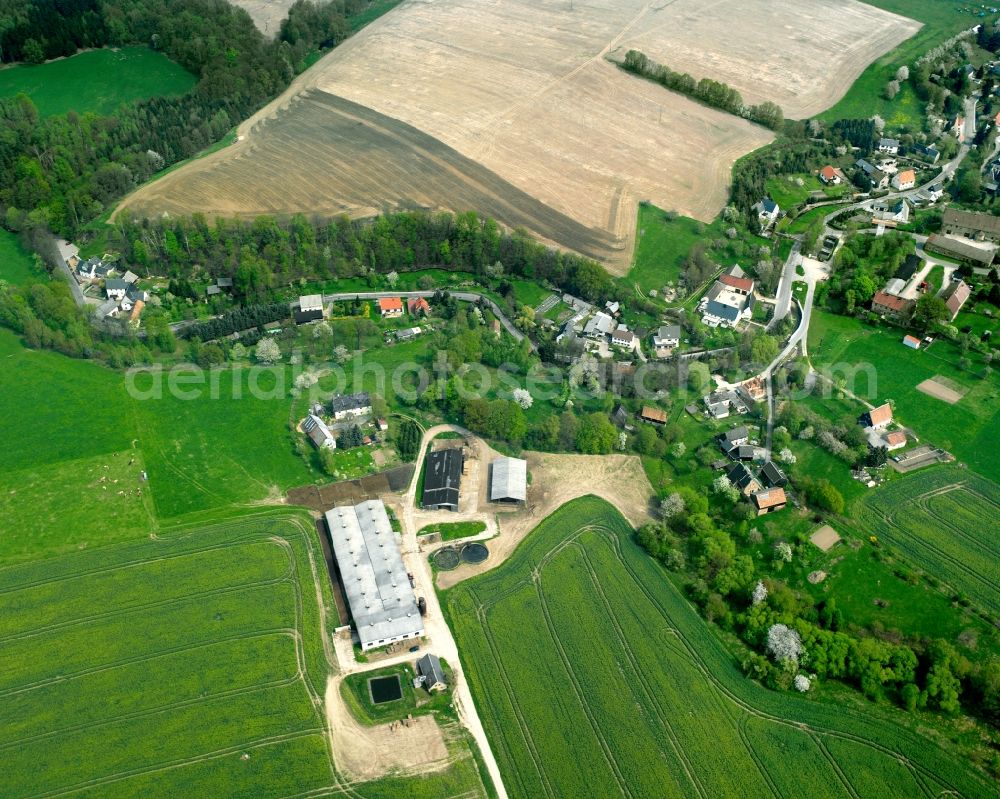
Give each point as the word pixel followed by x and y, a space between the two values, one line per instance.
pixel 367 753
pixel 555 480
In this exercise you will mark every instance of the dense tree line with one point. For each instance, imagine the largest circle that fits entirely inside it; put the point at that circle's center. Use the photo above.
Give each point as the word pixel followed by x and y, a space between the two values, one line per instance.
pixel 266 253
pixel 62 171
pixel 245 318
pixel 710 92
pixel 856 132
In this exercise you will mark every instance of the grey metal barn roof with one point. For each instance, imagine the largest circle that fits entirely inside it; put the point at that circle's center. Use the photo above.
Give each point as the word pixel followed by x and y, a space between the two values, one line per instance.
pixel 378 590
pixel 510 479
pixel 442 477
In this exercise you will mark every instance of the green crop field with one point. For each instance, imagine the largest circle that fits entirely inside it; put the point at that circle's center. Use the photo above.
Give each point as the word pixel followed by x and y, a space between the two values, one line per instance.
pixel 941 20
pixel 97 80
pixel 944 521
pixel 968 429
pixel 158 657
pixel 188 664
pixel 595 677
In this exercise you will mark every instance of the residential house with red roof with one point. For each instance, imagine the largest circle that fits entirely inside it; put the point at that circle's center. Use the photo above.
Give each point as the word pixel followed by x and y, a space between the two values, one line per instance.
pixel 891 306
pixel 390 307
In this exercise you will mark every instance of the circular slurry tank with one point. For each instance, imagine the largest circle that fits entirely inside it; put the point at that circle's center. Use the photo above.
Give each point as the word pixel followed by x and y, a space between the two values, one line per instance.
pixel 446 558
pixel 475 553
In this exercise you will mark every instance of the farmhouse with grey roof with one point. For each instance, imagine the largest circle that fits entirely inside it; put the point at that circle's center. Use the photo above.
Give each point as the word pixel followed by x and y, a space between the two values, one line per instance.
pixel 429 667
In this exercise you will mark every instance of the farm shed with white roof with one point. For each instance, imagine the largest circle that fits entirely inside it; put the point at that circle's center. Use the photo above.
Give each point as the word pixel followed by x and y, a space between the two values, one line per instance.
pixel 509 481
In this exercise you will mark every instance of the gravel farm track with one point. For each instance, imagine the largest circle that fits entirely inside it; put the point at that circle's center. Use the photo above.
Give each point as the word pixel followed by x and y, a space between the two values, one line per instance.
pixel 515 109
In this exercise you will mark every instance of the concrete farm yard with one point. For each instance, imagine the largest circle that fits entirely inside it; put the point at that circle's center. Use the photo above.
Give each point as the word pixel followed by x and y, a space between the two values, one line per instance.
pixel 503 113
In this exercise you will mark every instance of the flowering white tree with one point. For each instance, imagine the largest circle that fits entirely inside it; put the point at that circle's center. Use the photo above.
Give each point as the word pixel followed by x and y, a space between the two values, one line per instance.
pixel 341 353
pixel 306 379
pixel 321 329
pixel 787 456
pixel 801 683
pixel 807 432
pixel 268 351
pixel 879 123
pixel 622 441
pixel 759 592
pixel 678 449
pixel 724 486
pixel 671 506
pixel 903 73
pixel 392 279
pixel 523 398
pixel 783 551
pixel 784 643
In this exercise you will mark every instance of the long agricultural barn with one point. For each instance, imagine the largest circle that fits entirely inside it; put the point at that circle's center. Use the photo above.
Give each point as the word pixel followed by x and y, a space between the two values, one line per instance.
pixel 509 480
pixel 377 587
pixel 442 479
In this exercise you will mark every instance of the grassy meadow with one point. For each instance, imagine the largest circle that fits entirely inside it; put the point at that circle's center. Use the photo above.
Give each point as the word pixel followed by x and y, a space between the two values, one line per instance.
pixel 96 80
pixel 969 428
pixel 200 453
pixel 941 20
pixel 658 708
pixel 663 241
pixel 16 264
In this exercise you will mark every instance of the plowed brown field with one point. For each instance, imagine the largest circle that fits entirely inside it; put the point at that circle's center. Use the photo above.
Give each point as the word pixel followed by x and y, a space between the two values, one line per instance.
pixel 512 108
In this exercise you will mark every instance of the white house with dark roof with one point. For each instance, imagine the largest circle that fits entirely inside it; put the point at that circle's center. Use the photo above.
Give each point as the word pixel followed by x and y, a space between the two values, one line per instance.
pixel 767 211
pixel 725 306
pixel 347 406
pixel 624 338
pixel 890 146
pixel 115 288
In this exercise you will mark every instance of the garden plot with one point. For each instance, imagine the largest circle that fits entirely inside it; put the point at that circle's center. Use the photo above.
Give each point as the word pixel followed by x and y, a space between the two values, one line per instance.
pixel 943 389
pixel 825 538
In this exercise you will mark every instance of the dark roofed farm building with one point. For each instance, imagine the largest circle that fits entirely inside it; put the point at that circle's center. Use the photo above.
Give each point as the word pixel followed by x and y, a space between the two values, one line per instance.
pixel 442 479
